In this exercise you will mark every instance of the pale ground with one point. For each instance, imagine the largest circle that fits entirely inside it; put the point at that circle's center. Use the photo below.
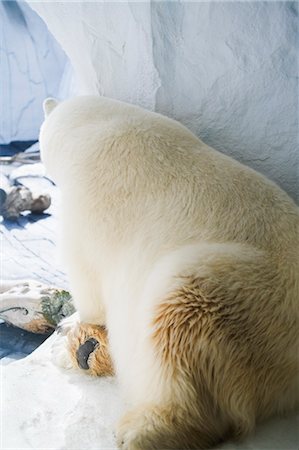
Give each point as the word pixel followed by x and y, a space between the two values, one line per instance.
pixel 44 407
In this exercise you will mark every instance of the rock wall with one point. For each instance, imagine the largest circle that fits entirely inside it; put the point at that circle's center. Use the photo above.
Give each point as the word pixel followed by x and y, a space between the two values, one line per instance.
pixel 32 67
pixel 227 70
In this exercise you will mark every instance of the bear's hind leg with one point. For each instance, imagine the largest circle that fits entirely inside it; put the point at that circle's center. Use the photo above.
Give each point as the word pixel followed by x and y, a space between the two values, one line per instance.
pixel 214 338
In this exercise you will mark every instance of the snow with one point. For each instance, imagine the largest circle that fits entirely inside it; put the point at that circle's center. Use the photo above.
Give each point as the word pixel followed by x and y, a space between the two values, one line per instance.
pixel 227 70
pixel 44 407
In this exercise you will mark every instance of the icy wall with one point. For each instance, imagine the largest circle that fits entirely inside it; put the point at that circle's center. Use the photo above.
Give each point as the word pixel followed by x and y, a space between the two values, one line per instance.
pixel 31 68
pixel 228 70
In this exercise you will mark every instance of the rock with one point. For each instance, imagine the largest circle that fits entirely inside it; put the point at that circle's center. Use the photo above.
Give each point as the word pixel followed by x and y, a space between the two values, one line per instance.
pixel 18 199
pixel 32 66
pixel 34 306
pixel 226 70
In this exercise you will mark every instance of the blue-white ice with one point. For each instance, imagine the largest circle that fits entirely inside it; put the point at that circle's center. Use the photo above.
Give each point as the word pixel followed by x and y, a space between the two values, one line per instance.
pixel 31 68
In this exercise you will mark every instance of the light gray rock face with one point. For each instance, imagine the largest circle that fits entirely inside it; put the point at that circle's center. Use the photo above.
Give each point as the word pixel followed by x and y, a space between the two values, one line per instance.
pixel 32 64
pixel 227 70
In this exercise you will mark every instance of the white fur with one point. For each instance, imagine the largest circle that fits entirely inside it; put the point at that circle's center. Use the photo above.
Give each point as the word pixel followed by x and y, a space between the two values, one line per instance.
pixel 146 203
pixel 48 105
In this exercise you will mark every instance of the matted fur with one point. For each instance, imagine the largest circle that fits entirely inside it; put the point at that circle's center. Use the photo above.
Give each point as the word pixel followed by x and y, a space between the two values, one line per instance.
pixel 191 261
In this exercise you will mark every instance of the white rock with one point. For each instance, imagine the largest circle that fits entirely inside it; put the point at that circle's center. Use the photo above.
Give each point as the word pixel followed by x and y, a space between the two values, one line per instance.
pixel 32 65
pixel 33 306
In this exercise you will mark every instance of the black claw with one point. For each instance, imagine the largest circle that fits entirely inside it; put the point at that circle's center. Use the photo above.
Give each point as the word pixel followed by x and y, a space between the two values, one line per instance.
pixel 84 351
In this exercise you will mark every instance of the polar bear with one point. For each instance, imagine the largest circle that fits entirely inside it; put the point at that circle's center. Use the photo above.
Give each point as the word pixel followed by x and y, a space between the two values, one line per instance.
pixel 189 258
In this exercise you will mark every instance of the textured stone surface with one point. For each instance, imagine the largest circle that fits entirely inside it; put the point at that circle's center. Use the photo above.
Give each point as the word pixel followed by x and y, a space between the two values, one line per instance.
pixel 28 244
pixel 32 64
pixel 28 251
pixel 225 69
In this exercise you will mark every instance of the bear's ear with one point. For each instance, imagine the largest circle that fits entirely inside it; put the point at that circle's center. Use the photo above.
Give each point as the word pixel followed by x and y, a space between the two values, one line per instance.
pixel 48 105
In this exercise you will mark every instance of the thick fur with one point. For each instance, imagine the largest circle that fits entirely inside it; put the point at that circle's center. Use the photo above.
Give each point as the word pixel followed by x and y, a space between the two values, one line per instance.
pixel 191 261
